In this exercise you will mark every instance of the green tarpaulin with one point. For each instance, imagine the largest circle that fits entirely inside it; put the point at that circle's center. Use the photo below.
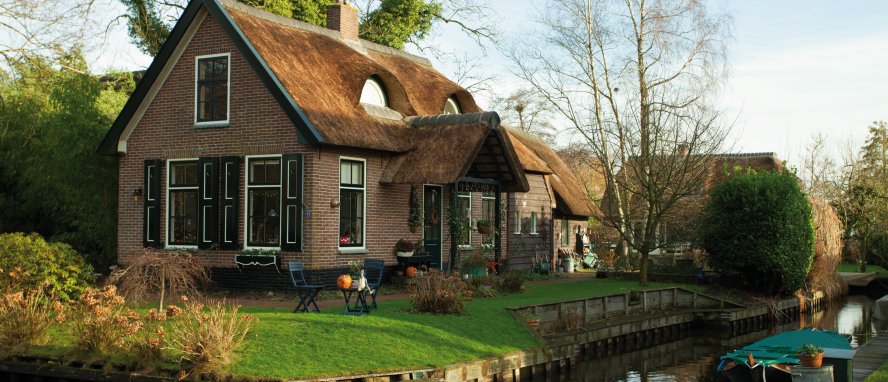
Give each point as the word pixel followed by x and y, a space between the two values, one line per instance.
pixel 781 348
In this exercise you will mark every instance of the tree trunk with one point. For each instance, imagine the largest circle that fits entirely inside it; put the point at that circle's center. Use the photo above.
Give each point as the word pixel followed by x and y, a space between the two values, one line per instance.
pixel 162 288
pixel 643 270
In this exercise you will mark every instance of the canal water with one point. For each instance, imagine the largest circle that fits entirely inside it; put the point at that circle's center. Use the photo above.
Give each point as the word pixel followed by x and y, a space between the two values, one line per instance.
pixel 695 356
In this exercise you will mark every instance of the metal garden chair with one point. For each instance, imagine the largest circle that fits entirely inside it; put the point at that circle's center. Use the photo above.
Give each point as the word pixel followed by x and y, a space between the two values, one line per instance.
pixel 373 270
pixel 307 292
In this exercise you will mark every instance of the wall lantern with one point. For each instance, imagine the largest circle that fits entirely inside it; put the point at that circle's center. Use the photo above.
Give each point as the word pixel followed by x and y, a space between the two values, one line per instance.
pixel 137 194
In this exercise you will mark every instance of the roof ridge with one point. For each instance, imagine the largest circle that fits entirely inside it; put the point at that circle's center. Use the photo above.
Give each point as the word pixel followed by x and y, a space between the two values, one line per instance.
pixel 491 118
pixel 308 27
pixel 765 154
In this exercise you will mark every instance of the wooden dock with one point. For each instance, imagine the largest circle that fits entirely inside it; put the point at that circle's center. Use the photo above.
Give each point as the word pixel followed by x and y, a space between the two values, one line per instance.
pixel 870 357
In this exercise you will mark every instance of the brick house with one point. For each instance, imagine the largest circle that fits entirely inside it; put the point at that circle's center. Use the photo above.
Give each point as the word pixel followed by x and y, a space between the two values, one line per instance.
pixel 251 131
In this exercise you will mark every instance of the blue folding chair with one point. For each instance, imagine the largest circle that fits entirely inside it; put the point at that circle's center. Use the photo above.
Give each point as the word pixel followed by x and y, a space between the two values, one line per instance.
pixel 373 272
pixel 307 293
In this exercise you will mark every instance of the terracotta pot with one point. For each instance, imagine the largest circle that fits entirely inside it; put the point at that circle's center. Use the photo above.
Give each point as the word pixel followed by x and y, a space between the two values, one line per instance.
pixel 811 360
pixel 534 324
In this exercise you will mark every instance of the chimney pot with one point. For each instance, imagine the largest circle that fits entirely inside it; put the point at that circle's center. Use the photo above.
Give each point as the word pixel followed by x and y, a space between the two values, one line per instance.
pixel 683 149
pixel 343 18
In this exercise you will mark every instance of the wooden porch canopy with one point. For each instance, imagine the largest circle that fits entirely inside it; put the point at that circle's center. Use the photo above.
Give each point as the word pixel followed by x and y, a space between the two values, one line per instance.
pixel 453 148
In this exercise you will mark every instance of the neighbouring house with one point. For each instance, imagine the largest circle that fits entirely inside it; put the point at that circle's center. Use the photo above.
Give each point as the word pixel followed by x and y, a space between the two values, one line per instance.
pixel 546 218
pixel 255 132
pixel 676 234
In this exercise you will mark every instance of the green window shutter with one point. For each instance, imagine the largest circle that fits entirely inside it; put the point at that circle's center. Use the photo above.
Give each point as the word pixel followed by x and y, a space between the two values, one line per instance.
pixel 207 202
pixel 151 208
pixel 228 202
pixel 291 188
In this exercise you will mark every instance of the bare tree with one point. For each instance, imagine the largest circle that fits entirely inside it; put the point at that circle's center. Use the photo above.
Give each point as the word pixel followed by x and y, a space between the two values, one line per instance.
pixel 35 29
pixel 526 109
pixel 469 73
pixel 819 172
pixel 633 79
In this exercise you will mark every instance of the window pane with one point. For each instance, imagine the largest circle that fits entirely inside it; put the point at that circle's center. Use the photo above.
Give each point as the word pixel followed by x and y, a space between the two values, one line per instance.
pixel 264 213
pixel 183 174
pixel 221 68
pixel 265 171
pixel 357 177
pixel 205 70
pixel 351 218
pixel 220 101
pixel 183 222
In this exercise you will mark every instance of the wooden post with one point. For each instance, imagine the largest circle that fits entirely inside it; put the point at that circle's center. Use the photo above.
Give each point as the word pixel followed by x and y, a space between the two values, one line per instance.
pixel 497 222
pixel 454 245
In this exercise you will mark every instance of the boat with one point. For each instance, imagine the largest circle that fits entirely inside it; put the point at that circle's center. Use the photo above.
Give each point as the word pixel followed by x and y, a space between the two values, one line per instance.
pixel 880 308
pixel 770 359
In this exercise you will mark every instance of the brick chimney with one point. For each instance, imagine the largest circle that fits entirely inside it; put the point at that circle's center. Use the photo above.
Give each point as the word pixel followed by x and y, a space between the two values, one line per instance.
pixel 343 18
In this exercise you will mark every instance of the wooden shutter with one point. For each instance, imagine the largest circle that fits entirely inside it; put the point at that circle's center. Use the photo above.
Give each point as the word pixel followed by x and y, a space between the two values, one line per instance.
pixel 291 190
pixel 208 202
pixel 228 202
pixel 151 208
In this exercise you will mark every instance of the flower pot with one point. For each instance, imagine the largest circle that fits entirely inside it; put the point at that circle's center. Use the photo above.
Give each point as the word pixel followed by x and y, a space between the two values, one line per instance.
pixel 534 324
pixel 811 360
pixel 405 254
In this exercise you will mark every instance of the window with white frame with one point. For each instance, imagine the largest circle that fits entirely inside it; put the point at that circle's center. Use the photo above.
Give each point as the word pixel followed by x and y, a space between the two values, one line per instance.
pixel 352 189
pixel 212 89
pixel 263 202
pixel 517 219
pixel 488 213
pixel 451 106
pixel 464 209
pixel 373 93
pixel 565 232
pixel 533 223
pixel 182 203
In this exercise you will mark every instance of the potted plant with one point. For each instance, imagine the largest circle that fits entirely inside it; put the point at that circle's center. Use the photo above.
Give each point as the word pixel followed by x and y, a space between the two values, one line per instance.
pixel 474 264
pixel 484 227
pixel 414 220
pixel 533 321
pixel 810 355
pixel 405 248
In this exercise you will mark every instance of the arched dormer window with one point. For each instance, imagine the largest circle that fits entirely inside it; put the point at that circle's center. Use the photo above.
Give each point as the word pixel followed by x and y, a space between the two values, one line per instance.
pixel 451 106
pixel 373 93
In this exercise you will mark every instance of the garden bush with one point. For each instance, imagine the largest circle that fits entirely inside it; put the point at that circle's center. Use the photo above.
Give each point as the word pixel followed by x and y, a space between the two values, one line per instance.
pixel 102 323
pixel 157 273
pixel 438 293
pixel 510 282
pixel 758 229
pixel 25 316
pixel 54 266
pixel 207 336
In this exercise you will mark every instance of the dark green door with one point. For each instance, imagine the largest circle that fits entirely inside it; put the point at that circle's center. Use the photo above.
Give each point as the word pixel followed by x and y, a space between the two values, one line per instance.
pixel 431 232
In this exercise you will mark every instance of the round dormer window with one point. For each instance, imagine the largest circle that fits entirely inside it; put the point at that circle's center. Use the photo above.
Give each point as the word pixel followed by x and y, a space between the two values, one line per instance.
pixel 451 107
pixel 373 93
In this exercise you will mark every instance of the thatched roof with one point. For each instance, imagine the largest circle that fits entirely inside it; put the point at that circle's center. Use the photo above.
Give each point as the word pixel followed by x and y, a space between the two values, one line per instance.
pixel 476 147
pixel 536 156
pixel 324 74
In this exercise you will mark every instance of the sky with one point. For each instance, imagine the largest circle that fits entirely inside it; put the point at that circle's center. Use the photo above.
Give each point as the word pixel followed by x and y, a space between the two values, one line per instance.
pixel 798 68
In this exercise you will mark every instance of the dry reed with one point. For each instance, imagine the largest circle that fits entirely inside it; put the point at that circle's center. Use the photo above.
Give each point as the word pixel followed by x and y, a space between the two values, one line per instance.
pixel 208 336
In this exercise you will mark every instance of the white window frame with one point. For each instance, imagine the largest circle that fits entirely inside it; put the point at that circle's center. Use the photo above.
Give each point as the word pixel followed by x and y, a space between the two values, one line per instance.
pixel 227 89
pixel 225 196
pixel 467 195
pixel 247 201
pixel 379 88
pixel 517 217
pixel 492 236
pixel 166 220
pixel 453 104
pixel 339 189
pixel 533 223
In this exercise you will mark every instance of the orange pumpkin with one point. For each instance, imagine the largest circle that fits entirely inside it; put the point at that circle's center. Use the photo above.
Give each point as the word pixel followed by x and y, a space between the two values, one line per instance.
pixel 411 271
pixel 344 282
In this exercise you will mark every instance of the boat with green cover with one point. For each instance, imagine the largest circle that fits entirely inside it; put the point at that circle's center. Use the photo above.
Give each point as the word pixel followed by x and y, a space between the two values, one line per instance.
pixel 769 360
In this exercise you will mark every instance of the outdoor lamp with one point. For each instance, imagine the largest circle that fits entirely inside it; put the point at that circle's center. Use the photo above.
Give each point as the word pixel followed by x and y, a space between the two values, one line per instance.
pixel 137 194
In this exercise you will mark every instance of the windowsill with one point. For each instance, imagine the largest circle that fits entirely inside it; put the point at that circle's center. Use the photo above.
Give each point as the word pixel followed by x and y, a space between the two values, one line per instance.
pixel 465 247
pixel 173 246
pixel 210 125
pixel 353 251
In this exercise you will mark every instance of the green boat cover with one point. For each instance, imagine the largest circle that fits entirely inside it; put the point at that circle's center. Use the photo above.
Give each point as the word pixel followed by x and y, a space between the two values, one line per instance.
pixel 781 348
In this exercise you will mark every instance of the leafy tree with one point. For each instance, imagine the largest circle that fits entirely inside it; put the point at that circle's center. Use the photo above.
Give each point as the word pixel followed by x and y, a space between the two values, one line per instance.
pixel 51 121
pixel 393 23
pixel 864 202
pixel 759 231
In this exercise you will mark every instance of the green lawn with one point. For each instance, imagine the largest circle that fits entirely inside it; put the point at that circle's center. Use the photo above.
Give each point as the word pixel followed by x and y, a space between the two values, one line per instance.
pixel 880 375
pixel 845 267
pixel 287 345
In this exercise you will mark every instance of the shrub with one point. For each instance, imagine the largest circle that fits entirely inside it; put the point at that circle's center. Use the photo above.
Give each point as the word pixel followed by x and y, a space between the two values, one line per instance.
pixel 510 282
pixel 160 272
pixel 758 230
pixel 25 318
pixel 53 266
pixel 483 286
pixel 101 322
pixel 208 335
pixel 438 293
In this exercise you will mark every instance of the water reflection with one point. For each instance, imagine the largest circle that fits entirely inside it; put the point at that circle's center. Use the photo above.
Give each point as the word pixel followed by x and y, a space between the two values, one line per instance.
pixel 694 358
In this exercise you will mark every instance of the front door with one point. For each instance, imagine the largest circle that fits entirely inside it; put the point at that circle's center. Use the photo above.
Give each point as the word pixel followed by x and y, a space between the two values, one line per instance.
pixel 431 231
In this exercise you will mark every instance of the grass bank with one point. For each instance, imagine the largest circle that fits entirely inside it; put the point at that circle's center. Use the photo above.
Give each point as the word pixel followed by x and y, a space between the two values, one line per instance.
pixel 845 267
pixel 880 375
